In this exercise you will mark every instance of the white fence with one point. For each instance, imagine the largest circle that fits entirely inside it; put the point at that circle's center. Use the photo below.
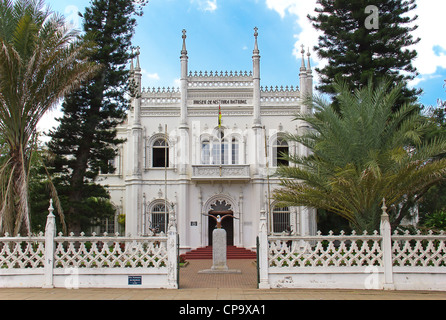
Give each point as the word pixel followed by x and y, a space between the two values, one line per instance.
pixel 95 261
pixel 358 261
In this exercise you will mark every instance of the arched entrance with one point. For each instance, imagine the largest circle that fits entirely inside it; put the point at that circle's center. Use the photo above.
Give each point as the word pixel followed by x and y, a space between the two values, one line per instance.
pixel 221 208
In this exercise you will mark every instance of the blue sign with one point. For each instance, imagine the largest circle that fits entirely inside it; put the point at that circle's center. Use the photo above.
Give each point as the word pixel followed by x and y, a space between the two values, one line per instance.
pixel 135 280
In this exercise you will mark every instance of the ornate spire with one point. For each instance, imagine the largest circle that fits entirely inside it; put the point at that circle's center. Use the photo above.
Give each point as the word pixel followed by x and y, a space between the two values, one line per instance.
pixel 309 64
pixel 302 67
pixel 256 46
pixel 184 51
pixel 138 66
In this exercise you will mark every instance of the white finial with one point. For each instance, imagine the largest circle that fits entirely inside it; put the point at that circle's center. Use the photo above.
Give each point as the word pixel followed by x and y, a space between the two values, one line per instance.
pixel 138 52
pixel 51 208
pixel 303 58
pixel 384 208
pixel 184 51
pixel 256 46
pixel 309 64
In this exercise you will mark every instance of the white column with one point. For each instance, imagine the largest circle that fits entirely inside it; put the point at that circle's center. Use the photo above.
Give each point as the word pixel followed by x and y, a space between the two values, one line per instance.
pixel 263 252
pixel 256 82
pixel 50 232
pixel 172 251
pixel 385 230
pixel 184 82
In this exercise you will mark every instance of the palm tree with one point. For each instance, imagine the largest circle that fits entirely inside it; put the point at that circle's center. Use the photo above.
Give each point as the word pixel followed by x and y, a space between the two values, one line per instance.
pixel 360 154
pixel 41 60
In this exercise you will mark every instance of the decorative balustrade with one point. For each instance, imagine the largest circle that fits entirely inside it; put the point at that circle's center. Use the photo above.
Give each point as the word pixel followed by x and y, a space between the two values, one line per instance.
pixel 419 250
pixel 325 251
pixel 381 260
pixel 221 74
pixel 22 252
pixel 278 89
pixel 110 252
pixel 221 173
pixel 71 261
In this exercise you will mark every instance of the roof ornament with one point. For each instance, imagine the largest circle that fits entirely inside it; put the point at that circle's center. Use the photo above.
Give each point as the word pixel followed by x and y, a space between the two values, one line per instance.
pixel 309 64
pixel 256 47
pixel 137 53
pixel 302 68
pixel 184 51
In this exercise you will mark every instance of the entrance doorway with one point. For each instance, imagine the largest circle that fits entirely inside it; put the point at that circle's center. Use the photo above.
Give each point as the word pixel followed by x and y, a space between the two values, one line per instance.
pixel 227 224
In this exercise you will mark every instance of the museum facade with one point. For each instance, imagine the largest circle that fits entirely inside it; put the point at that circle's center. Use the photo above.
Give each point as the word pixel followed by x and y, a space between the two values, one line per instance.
pixel 209 147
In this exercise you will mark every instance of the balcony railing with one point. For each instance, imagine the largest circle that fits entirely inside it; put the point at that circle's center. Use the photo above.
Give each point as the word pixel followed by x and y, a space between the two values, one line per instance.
pixel 221 173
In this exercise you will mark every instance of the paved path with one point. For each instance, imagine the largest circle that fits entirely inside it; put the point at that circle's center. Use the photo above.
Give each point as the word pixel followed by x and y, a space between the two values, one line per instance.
pixel 195 286
pixel 247 279
pixel 215 294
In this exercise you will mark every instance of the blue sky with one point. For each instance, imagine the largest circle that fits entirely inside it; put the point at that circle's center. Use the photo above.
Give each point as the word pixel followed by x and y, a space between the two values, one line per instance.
pixel 220 38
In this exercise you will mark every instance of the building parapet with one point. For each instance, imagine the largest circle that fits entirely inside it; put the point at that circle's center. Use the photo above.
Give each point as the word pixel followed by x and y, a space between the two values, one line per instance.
pixel 217 173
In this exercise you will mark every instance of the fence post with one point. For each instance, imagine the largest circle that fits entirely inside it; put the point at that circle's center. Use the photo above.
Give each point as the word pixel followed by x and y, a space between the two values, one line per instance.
pixel 386 233
pixel 172 251
pixel 50 231
pixel 263 252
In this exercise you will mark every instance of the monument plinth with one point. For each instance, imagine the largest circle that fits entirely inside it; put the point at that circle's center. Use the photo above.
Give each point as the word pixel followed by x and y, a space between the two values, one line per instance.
pixel 219 250
pixel 219 257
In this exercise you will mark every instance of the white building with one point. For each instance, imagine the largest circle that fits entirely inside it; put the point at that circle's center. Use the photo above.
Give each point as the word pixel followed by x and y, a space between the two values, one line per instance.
pixel 177 154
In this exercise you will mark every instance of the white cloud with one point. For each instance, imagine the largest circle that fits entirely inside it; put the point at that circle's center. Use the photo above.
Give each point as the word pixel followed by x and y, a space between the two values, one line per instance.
pixel 177 83
pixel 151 76
pixel 206 5
pixel 48 121
pixel 430 14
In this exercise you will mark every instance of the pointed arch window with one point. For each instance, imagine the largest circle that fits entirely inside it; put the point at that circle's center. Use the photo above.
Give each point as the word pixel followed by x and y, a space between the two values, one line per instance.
pixel 280 152
pixel 220 149
pixel 159 218
pixel 205 152
pixel 160 153
pixel 235 151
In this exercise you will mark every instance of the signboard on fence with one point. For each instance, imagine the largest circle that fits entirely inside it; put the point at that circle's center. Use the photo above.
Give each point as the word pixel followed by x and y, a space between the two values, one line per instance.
pixel 135 280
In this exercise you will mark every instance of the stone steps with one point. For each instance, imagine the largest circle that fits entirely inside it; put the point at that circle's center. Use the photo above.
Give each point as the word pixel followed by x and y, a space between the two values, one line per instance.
pixel 232 252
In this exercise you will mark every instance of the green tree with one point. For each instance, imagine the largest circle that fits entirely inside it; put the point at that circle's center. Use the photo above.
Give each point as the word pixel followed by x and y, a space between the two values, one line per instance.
pixel 434 201
pixel 357 51
pixel 40 62
pixel 86 141
pixel 360 154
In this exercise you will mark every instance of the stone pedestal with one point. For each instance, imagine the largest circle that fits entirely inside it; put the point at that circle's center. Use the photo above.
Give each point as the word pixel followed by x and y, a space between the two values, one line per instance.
pixel 219 259
pixel 219 250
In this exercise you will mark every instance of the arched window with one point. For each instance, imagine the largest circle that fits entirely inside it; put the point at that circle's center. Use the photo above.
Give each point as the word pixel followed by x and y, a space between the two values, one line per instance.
pixel 205 152
pixel 220 150
pixel 281 220
pixel 280 151
pixel 160 153
pixel 235 151
pixel 159 218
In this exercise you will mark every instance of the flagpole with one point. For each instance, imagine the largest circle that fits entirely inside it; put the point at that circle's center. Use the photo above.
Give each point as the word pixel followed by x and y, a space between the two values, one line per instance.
pixel 221 135
pixel 166 208
pixel 268 182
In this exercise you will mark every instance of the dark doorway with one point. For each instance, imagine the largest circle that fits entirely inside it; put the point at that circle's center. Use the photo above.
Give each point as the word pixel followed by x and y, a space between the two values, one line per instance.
pixel 227 224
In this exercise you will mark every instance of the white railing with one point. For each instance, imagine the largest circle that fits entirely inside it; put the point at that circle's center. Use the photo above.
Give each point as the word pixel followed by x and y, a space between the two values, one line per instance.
pixel 110 252
pixel 93 261
pixel 223 172
pixel 22 252
pixel 358 261
pixel 325 251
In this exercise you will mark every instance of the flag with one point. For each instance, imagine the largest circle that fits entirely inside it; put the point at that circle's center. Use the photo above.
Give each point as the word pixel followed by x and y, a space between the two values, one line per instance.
pixel 219 116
